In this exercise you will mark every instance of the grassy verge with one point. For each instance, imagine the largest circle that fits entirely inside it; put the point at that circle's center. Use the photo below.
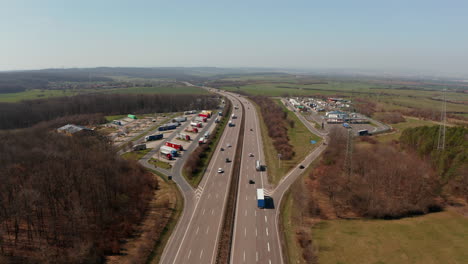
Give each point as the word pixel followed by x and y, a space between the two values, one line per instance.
pixel 160 164
pixel 433 238
pixel 299 138
pixel 161 242
pixel 196 178
pixel 290 221
pixel 399 127
pixel 136 155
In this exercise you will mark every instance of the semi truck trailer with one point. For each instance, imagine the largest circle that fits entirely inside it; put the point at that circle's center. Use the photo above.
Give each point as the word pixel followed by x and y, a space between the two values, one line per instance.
pixel 260 198
pixel 153 137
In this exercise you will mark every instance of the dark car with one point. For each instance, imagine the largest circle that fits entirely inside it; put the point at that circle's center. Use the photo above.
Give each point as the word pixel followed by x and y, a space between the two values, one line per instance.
pixel 251 129
pixel 228 160
pixel 251 181
pixel 222 149
pixel 301 167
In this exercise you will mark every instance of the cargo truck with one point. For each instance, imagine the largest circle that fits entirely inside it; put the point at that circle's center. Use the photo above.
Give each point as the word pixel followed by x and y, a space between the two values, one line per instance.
pixel 201 119
pixel 153 137
pixel 174 145
pixel 191 129
pixel 179 119
pixel 167 127
pixel 139 147
pixel 196 124
pixel 168 150
pixel 260 198
pixel 183 136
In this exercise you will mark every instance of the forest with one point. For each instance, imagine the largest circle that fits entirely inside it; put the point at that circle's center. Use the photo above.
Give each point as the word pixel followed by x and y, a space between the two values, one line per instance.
pixel 276 121
pixel 67 199
pixel 27 113
pixel 363 185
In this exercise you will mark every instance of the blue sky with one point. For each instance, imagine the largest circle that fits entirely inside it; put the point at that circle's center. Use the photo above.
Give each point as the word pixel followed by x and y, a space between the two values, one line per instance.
pixel 426 36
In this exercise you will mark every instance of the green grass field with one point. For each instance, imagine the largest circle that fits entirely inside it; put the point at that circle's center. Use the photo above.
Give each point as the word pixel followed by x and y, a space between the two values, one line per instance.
pixel 299 137
pixel 136 155
pixel 399 127
pixel 430 239
pixel 39 94
pixel 158 90
pixel 160 164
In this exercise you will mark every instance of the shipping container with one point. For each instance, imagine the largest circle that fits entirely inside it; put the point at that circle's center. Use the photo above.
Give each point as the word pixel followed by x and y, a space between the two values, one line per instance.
pixel 153 137
pixel 260 198
pixel 196 124
pixel 167 127
pixel 179 119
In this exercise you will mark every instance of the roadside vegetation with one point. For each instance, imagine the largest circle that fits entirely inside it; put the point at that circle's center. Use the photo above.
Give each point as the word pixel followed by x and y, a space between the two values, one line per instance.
pixel 67 199
pixel 422 194
pixel 136 155
pixel 196 164
pixel 282 133
pixel 160 164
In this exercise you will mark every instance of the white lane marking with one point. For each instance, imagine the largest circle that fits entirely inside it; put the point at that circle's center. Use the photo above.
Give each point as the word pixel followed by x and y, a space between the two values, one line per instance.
pixel 201 253
pixel 204 212
pixel 244 255
pixel 269 261
pixel 266 219
pixel 267 231
pixel 212 211
pixel 207 230
pixel 256 232
pixel 190 252
pixel 246 212
pixel 255 213
pixel 209 195
pixel 256 256
pixel 246 197
pixel 198 227
pixel 268 246
pixel 245 231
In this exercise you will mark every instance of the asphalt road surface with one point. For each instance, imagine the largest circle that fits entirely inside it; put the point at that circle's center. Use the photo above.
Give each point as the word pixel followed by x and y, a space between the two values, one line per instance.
pixel 196 235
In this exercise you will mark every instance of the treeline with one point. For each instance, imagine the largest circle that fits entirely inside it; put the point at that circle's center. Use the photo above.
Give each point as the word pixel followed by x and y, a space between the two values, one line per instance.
pixel 276 121
pixel 450 163
pixel 19 81
pixel 67 199
pixel 379 182
pixel 199 158
pixel 28 113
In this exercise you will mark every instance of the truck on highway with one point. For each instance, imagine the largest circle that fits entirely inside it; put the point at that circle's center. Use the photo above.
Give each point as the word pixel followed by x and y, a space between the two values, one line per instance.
pixel 260 198
pixel 174 145
pixel 153 137
pixel 258 165
pixel 202 141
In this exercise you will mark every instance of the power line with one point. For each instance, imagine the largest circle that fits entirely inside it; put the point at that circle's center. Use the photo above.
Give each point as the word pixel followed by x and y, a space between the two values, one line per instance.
pixel 442 127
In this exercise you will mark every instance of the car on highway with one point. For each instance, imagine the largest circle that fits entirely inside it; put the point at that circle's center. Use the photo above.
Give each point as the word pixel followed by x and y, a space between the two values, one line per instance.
pixel 251 155
pixel 251 182
pixel 228 145
pixel 301 167
pixel 222 149
pixel 228 160
pixel 251 129
pixel 220 170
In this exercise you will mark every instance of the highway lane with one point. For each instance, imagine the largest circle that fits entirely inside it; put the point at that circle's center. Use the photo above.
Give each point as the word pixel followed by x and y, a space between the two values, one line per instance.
pixel 255 237
pixel 195 241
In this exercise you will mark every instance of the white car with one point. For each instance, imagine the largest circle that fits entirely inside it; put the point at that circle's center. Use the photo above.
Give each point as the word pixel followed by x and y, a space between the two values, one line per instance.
pixel 251 155
pixel 220 170
pixel 228 145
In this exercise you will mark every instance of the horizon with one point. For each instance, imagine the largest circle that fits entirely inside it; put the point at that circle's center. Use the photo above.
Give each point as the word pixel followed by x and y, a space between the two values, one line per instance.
pixel 421 37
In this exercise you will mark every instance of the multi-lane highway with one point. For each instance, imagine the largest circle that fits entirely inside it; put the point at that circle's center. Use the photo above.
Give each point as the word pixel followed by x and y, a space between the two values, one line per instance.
pixel 255 234
pixel 196 236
